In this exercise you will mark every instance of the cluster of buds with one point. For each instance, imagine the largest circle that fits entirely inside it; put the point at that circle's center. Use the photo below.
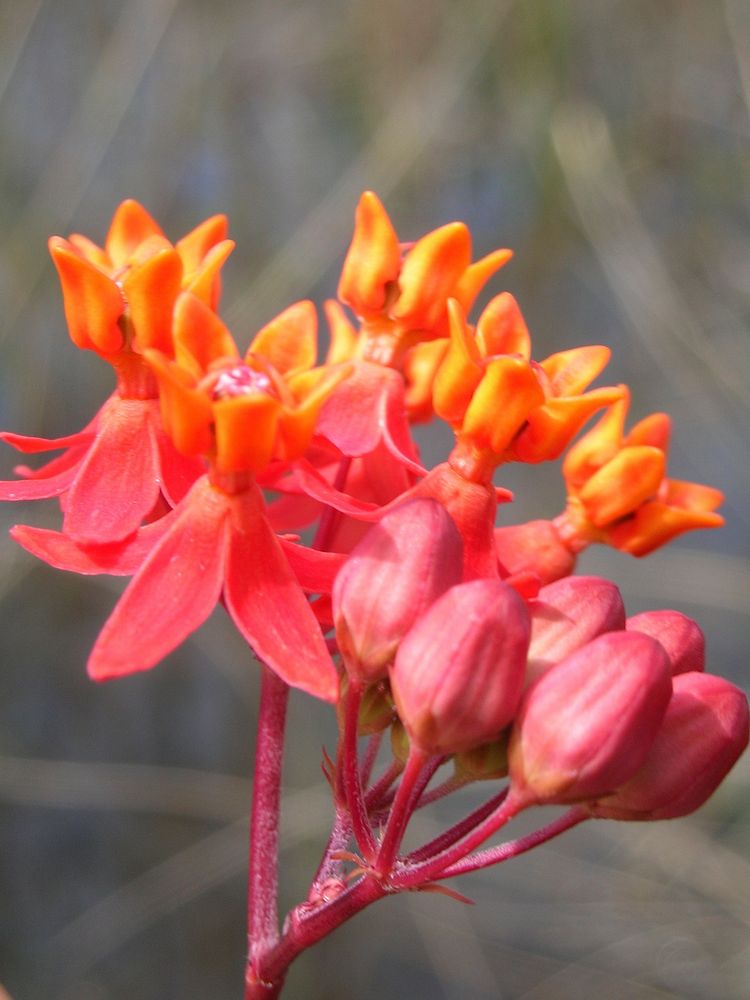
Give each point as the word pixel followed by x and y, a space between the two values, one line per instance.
pixel 411 609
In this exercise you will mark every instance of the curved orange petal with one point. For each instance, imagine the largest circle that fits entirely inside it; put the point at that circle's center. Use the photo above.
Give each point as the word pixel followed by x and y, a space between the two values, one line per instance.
pixel 297 424
pixel 502 329
pixel 131 225
pixel 623 484
pixel 92 301
pixel 654 429
pixel 656 523
pixel 551 426
pixel 200 337
pixel 691 496
pixel 429 274
pixel 186 412
pixel 508 392
pixel 290 341
pixel 373 260
pixel 420 369
pixel 460 373
pixel 205 280
pixel 598 445
pixel 151 289
pixel 194 246
pixel 570 372
pixel 342 333
pixel 245 431
pixel 476 275
pixel 88 249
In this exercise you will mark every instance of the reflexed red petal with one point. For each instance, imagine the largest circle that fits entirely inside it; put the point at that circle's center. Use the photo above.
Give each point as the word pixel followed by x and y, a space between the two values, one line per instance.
pixel 118 483
pixel 350 418
pixel 268 606
pixel 178 472
pixel 38 489
pixel 314 570
pixel 319 488
pixel 174 591
pixel 395 426
pixel 34 445
pixel 69 460
pixel 292 512
pixel 116 558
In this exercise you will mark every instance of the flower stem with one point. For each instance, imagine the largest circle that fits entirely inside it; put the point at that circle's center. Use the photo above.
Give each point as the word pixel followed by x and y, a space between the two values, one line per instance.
pixel 413 875
pixel 512 848
pixel 263 929
pixel 400 810
pixel 350 774
pixel 450 836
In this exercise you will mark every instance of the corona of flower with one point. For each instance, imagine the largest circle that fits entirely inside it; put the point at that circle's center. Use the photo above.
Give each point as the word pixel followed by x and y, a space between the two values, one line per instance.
pixel 500 403
pixel 400 291
pixel 117 471
pixel 618 490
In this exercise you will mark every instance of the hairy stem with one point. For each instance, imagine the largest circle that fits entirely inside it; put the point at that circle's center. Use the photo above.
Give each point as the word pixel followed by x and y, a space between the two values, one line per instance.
pixel 263 930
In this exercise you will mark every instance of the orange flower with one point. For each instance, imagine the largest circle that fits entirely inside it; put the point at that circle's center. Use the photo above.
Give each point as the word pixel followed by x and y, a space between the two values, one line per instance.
pixel 502 405
pixel 618 491
pixel 122 295
pixel 400 292
pixel 242 412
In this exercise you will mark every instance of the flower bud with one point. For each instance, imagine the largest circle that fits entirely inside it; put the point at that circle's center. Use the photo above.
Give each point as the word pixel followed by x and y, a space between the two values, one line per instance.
pixel 406 561
pixel 534 547
pixel 681 637
pixel 458 674
pixel 566 615
pixel 587 724
pixel 704 731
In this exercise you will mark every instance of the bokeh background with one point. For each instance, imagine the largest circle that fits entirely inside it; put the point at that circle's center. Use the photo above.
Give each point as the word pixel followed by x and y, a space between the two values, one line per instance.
pixel 607 142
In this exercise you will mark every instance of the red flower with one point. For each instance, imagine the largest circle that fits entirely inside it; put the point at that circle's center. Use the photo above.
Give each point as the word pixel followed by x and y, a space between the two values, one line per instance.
pixel 118 302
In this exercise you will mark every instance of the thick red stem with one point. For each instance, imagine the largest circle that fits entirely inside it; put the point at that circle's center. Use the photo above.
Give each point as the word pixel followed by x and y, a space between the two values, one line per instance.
pixel 263 918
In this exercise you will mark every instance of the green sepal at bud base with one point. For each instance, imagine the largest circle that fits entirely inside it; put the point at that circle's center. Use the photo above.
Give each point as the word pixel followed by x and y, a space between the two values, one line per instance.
pixel 483 763
pixel 587 724
pixel 400 745
pixel 376 710
pixel 458 674
pixel 401 566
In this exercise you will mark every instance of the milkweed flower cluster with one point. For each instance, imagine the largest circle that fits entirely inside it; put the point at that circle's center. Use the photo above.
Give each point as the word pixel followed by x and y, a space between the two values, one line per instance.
pixel 471 644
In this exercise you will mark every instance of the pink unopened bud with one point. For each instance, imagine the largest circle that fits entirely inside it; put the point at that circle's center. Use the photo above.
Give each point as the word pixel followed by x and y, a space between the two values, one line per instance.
pixel 681 637
pixel 568 614
pixel 587 724
pixel 703 733
pixel 406 561
pixel 458 674
pixel 534 547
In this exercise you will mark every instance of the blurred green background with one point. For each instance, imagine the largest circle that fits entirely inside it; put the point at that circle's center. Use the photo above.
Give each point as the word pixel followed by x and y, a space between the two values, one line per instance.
pixel 607 143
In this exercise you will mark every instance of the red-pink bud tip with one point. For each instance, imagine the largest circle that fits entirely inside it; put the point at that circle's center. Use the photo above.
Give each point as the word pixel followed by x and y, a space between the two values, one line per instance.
pixel 401 566
pixel 458 674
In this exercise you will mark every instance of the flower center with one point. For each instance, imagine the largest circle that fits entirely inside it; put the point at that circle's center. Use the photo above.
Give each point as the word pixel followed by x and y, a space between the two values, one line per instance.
pixel 241 380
